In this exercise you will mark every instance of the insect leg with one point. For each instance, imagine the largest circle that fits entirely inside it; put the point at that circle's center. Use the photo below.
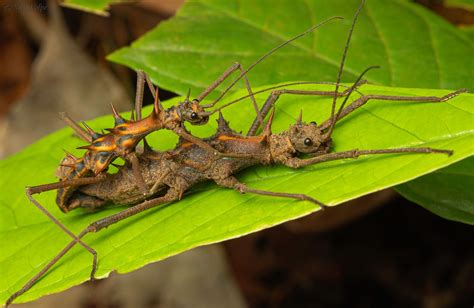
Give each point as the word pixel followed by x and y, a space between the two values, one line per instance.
pixel 298 162
pixel 46 187
pixel 66 230
pixel 66 183
pixel 172 195
pixel 132 157
pixel 232 182
pixel 365 98
pixel 81 132
pixel 275 95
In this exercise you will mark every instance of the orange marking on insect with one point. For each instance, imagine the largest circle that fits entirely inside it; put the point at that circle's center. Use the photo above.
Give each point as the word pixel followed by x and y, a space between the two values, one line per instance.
pixel 104 148
pixel 176 115
pixel 99 167
pixel 252 139
pixel 128 142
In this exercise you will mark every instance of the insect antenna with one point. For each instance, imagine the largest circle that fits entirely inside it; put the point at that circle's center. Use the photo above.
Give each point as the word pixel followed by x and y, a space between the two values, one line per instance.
pixel 341 67
pixel 81 132
pixel 351 90
pixel 243 73
pixel 354 89
pixel 151 87
pixel 188 95
pixel 139 94
pixel 157 107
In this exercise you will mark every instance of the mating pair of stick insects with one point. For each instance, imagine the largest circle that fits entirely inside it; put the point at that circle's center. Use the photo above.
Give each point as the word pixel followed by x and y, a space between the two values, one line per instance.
pixel 166 176
pixel 122 139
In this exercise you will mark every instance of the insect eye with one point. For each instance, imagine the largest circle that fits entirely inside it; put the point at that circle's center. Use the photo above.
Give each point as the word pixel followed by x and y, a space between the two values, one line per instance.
pixel 308 142
pixel 314 123
pixel 194 116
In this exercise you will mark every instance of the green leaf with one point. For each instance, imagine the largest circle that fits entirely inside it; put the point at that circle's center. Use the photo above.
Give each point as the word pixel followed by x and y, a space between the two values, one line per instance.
pixel 211 214
pixel 415 47
pixel 469 31
pixel 453 197
pixel 99 7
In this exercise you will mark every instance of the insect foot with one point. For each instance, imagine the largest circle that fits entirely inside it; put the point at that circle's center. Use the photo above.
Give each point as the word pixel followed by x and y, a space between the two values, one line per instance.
pixel 453 94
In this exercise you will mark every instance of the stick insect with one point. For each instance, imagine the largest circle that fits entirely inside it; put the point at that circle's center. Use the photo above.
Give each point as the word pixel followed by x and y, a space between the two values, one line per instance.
pixel 168 174
pixel 123 138
pixel 121 141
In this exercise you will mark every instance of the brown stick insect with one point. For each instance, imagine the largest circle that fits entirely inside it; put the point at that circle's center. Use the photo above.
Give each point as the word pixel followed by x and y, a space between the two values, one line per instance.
pixel 122 139
pixel 168 175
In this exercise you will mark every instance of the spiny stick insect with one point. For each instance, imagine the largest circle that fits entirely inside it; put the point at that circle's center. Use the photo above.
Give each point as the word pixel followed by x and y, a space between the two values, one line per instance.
pixel 168 174
pixel 121 141
pixel 123 138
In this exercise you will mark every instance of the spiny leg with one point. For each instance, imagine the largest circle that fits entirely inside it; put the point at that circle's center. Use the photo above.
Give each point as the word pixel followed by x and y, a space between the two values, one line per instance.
pixel 96 226
pixel 296 162
pixel 234 183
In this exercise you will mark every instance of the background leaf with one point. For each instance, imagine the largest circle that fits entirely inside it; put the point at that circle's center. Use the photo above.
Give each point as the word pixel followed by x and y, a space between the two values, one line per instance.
pixel 415 47
pixel 92 6
pixel 212 214
pixel 453 197
pixel 469 31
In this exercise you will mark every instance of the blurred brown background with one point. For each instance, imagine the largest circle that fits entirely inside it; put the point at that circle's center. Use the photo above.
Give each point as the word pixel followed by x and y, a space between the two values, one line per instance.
pixel 381 250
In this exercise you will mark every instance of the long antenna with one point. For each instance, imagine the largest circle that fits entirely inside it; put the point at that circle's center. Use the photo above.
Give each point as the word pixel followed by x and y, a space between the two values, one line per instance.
pixel 267 55
pixel 341 68
pixel 351 90
pixel 208 113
